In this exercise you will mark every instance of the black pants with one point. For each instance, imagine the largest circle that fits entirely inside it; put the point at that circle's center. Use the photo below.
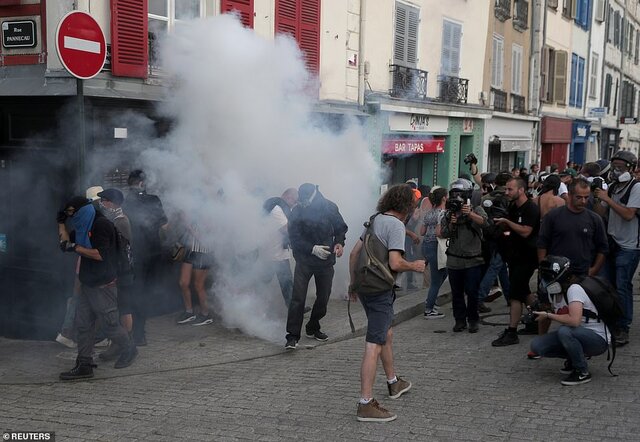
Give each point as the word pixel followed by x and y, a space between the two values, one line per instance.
pixel 323 277
pixel 98 303
pixel 142 293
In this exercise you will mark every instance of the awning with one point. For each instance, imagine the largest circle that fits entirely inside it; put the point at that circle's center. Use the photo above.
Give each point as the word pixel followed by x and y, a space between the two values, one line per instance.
pixel 401 146
pixel 509 144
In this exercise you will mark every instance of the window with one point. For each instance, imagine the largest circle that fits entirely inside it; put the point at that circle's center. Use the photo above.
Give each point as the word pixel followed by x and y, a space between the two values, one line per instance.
pixel 608 80
pixel 610 26
pixel 520 15
pixel 593 75
pixel 599 10
pixel 516 69
pixel 552 4
pixel 583 8
pixel 631 34
pixel 244 9
pixel 569 8
pixel 547 69
pixel 560 77
pixel 616 29
pixel 450 59
pixel 577 81
pixel 497 61
pixel 627 99
pixel 637 52
pixel 301 20
pixel 129 39
pixel 405 44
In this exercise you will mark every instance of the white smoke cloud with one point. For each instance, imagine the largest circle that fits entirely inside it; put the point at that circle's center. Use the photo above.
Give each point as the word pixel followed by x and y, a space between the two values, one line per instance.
pixel 242 106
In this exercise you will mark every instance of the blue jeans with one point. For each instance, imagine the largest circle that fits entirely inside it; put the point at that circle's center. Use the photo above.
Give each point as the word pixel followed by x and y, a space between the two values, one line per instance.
pixel 573 343
pixel 465 281
pixel 624 264
pixel 430 252
pixel 497 269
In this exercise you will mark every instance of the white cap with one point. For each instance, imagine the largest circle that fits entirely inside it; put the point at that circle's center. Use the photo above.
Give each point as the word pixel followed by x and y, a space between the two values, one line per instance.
pixel 92 193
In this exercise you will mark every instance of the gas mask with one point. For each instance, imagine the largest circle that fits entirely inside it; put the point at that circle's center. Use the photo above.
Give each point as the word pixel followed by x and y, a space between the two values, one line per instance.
pixel 620 175
pixel 306 202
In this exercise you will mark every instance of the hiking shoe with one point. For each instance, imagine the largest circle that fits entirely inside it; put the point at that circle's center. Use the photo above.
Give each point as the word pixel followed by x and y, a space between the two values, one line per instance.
pixel 186 317
pixel 494 294
pixel 483 308
pixel 622 338
pixel 126 357
pixel 374 412
pixel 532 355
pixel 474 326
pixel 433 314
pixel 506 338
pixel 576 378
pixel 202 320
pixel 398 388
pixel 567 368
pixel 291 344
pixel 318 336
pixel 460 325
pixel 110 353
pixel 104 343
pixel 67 342
pixel 80 371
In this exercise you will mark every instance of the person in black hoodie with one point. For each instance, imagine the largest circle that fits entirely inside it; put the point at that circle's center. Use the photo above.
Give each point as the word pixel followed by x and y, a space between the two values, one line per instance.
pixel 317 234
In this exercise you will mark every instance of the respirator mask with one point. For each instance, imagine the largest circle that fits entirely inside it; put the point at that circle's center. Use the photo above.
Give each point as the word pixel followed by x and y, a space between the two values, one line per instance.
pixel 619 174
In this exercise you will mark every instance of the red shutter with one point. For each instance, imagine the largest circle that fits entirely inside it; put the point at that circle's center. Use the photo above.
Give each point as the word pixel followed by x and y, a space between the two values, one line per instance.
pixel 129 38
pixel 301 20
pixel 243 7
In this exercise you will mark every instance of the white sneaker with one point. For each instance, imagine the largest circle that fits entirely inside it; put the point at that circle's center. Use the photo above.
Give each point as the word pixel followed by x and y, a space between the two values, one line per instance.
pixel 70 343
pixel 433 314
pixel 104 343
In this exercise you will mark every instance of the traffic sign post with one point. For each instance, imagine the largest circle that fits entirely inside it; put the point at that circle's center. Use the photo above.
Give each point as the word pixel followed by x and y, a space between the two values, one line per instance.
pixel 81 45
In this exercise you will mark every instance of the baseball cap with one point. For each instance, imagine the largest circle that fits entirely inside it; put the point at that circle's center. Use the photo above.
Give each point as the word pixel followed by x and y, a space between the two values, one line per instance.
pixel 113 195
pixel 568 172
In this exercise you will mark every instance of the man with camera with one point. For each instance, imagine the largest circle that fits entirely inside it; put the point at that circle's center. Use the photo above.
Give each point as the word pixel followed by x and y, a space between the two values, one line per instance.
pixel 620 203
pixel 462 225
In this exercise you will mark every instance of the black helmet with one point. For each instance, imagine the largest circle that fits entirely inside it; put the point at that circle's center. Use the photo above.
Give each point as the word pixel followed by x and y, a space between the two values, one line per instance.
pixel 461 187
pixel 626 156
pixel 604 167
pixel 552 270
pixel 489 178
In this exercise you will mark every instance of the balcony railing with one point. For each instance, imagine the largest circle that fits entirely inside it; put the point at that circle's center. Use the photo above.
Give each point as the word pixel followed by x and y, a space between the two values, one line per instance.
pixel 499 100
pixel 408 83
pixel 452 89
pixel 517 104
pixel 502 10
pixel 521 15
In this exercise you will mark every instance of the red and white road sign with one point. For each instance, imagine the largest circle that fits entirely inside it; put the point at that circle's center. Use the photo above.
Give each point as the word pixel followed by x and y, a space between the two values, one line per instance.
pixel 81 45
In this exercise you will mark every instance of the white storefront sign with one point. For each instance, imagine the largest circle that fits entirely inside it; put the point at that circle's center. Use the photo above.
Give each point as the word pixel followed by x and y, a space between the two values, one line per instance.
pixel 417 123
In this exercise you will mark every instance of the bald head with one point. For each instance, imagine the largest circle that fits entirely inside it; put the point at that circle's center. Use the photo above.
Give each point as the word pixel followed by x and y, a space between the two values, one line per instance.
pixel 290 196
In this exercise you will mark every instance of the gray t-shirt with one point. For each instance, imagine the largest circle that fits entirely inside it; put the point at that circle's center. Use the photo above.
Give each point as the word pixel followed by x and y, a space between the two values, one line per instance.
pixel 624 232
pixel 390 231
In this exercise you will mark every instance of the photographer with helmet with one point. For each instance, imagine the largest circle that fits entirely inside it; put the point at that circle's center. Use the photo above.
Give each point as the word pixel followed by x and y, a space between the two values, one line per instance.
pixel 620 205
pixel 462 225
pixel 580 335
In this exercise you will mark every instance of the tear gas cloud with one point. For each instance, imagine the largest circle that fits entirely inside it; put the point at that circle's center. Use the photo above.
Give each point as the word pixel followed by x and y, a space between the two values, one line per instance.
pixel 245 131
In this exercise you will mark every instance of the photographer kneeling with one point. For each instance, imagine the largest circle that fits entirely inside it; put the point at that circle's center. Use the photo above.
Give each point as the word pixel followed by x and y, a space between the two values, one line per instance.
pixel 580 334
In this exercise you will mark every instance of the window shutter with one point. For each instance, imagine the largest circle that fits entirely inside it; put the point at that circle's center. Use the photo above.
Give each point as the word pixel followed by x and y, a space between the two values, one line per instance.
pixel 560 78
pixel 451 39
pixel 301 20
pixel 599 10
pixel 607 91
pixel 412 35
pixel 544 67
pixel 400 37
pixel 637 53
pixel 244 8
pixel 574 78
pixel 129 38
pixel 500 63
pixel 496 62
pixel 574 8
pixel 580 85
pixel 616 29
pixel 516 69
pixel 593 75
pixel 286 17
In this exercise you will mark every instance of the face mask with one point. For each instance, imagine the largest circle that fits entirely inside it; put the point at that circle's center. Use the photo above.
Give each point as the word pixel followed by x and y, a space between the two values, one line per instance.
pixel 554 288
pixel 619 175
pixel 107 211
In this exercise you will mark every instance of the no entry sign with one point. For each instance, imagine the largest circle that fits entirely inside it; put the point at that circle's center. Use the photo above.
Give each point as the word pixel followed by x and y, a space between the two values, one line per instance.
pixel 81 45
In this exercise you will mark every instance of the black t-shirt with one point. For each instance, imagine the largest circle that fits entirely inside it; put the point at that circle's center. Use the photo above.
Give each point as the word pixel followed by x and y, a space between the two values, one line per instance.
pixel 103 237
pixel 514 247
pixel 146 216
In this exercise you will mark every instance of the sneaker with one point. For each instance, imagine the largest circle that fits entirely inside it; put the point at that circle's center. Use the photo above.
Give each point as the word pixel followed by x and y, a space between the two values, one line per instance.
pixel 104 343
pixel 576 378
pixel 567 368
pixel 186 317
pixel 318 336
pixel 506 338
pixel 110 353
pixel 532 355
pixel 494 294
pixel 202 320
pixel 398 388
pixel 291 344
pixel 374 412
pixel 474 326
pixel 67 342
pixel 433 314
pixel 482 308
pixel 622 338
pixel 460 325
pixel 80 371
pixel 126 357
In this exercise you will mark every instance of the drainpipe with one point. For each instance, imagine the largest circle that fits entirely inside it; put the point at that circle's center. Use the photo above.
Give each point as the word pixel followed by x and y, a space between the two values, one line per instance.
pixel 604 142
pixel 361 63
pixel 543 3
pixel 623 43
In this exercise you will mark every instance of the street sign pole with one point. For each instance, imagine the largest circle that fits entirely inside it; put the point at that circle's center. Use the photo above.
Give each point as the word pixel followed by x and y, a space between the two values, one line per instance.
pixel 82 142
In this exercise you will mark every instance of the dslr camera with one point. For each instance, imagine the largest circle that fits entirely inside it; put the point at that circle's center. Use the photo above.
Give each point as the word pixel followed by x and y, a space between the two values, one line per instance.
pixel 453 206
pixel 597 184
pixel 470 159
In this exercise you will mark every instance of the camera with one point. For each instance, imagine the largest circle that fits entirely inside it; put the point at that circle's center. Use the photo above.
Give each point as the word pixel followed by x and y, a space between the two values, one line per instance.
pixel 470 159
pixel 454 205
pixel 597 183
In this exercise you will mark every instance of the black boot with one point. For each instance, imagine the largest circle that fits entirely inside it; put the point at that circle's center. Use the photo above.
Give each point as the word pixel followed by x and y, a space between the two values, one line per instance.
pixel 460 325
pixel 126 357
pixel 82 370
pixel 111 353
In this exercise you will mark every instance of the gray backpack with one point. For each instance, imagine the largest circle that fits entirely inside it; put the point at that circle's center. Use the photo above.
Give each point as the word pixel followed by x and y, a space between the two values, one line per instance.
pixel 373 274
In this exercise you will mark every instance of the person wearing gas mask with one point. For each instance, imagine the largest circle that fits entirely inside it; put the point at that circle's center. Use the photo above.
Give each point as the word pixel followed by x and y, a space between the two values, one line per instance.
pixel 462 226
pixel 579 335
pixel 620 206
pixel 317 235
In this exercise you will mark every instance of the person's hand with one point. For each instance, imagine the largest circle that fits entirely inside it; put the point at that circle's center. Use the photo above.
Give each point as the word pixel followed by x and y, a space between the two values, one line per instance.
pixel 454 218
pixel 500 221
pixel 602 195
pixel 67 246
pixel 338 250
pixel 541 316
pixel 466 209
pixel 61 217
pixel 419 265
pixel 321 252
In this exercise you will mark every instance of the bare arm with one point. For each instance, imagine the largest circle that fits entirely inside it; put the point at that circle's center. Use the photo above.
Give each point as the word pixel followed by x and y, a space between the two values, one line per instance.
pixel 399 264
pixel 88 253
pixel 572 319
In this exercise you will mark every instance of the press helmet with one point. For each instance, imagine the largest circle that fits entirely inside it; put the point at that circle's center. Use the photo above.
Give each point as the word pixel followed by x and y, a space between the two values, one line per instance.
pixel 626 156
pixel 553 271
pixel 461 187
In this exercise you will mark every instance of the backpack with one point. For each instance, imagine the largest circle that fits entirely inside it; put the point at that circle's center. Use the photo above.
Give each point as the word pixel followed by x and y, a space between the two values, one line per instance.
pixel 373 274
pixel 607 302
pixel 124 259
pixel 496 206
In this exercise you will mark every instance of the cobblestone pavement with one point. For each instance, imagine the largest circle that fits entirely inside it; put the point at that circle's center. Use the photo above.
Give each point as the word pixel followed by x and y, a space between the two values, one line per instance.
pixel 463 389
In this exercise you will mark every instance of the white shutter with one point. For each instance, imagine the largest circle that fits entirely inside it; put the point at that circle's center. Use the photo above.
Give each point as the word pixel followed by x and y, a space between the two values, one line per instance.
pixel 412 35
pixel 500 64
pixel 599 12
pixel 400 37
pixel 593 77
pixel 450 53
pixel 494 62
pixel 516 69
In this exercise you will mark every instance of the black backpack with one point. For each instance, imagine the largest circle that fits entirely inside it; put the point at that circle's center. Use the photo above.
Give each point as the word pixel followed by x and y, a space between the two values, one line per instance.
pixel 124 259
pixel 607 302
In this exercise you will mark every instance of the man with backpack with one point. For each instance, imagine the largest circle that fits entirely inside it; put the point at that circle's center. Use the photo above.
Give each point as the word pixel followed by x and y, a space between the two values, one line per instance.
pixel 374 263
pixel 583 330
pixel 620 204
pixel 94 239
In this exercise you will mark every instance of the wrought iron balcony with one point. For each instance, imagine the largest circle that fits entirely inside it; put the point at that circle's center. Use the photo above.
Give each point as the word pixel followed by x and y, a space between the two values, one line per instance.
pixel 521 15
pixel 502 10
pixel 453 89
pixel 499 100
pixel 517 104
pixel 408 82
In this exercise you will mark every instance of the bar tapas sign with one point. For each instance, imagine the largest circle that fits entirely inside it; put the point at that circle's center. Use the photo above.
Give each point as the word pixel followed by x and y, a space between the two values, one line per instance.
pixel 408 146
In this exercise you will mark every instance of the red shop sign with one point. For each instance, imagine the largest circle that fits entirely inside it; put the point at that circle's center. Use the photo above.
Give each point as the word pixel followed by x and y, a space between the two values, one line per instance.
pixel 400 146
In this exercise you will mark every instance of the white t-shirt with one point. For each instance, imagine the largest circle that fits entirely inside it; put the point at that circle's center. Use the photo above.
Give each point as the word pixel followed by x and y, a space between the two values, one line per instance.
pixel 625 232
pixel 577 294
pixel 273 248
pixel 562 189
